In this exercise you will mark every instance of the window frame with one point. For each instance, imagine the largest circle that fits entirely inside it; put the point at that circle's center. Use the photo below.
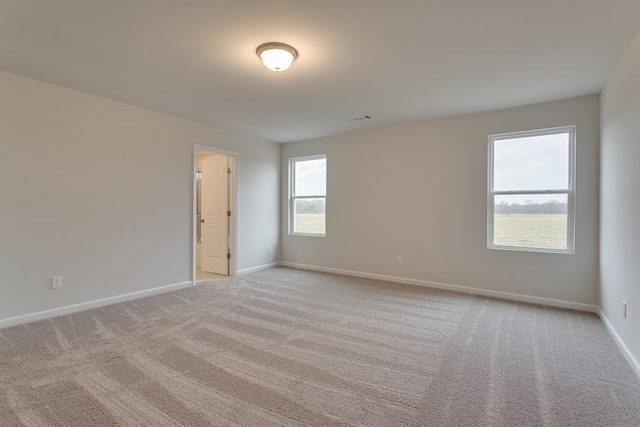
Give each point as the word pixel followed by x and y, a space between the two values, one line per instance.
pixel 570 191
pixel 293 197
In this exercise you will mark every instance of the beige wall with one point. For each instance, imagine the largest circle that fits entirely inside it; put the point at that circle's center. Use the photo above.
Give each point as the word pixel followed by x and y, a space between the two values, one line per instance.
pixel 419 190
pixel 100 192
pixel 620 199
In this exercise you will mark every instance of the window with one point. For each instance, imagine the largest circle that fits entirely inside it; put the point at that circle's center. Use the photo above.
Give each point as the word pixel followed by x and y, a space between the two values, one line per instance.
pixel 531 190
pixel 307 195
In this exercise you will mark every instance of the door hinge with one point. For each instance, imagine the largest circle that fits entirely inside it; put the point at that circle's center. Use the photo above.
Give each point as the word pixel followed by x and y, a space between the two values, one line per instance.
pixel 228 213
pixel 229 170
pixel 228 256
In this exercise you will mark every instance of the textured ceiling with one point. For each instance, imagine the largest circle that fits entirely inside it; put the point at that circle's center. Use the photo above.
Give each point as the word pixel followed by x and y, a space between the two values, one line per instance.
pixel 398 60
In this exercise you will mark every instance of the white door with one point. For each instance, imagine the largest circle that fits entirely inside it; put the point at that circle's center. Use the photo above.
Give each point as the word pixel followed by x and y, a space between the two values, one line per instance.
pixel 214 230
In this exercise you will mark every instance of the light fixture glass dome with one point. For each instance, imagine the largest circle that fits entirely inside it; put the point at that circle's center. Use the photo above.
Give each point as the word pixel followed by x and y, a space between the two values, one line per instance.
pixel 277 56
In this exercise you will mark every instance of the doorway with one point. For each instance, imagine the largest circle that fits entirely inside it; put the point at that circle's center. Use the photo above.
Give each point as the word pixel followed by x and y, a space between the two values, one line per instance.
pixel 214 216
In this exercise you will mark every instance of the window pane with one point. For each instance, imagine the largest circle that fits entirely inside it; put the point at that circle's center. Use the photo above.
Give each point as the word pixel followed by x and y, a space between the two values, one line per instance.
pixel 531 163
pixel 309 216
pixel 310 177
pixel 535 221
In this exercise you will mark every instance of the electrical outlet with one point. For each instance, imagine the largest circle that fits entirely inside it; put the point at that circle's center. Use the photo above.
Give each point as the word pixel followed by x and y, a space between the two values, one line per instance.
pixel 269 250
pixel 624 309
pixel 399 259
pixel 56 282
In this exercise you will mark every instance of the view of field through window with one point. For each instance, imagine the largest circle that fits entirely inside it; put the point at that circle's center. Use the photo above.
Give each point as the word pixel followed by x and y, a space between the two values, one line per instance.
pixel 311 223
pixel 520 220
pixel 547 231
pixel 531 188
pixel 527 230
pixel 309 190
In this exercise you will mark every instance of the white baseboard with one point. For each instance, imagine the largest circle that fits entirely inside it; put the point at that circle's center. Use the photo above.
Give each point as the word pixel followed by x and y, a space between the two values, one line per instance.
pixel 456 288
pixel 55 312
pixel 258 268
pixel 635 365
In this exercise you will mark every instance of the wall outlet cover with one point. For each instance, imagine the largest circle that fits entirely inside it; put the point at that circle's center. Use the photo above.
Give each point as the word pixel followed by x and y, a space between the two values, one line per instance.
pixel 56 282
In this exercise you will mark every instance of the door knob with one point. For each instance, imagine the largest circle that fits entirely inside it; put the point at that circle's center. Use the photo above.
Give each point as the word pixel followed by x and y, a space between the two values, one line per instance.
pixel 202 220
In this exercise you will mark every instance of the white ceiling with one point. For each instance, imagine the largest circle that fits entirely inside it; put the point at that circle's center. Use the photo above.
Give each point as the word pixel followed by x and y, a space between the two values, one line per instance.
pixel 398 60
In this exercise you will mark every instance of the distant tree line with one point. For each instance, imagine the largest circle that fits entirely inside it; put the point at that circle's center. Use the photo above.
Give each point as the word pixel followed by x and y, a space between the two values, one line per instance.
pixel 310 206
pixel 530 207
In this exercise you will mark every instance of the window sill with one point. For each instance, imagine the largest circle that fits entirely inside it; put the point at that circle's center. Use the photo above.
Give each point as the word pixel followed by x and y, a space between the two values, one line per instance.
pixel 528 249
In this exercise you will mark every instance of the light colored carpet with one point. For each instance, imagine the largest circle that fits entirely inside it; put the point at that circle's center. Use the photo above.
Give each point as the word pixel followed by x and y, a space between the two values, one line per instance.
pixel 291 347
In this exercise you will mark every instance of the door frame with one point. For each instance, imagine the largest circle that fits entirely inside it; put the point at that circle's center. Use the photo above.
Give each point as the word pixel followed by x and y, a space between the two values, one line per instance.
pixel 233 196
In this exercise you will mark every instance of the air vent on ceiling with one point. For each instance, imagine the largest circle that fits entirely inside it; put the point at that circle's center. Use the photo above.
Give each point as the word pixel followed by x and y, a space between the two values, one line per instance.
pixel 357 119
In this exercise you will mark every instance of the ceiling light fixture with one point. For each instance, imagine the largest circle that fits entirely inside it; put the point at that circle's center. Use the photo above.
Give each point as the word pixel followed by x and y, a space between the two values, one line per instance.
pixel 277 56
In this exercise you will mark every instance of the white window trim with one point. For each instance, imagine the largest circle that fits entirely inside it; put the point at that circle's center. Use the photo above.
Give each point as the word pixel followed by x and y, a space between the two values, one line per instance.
pixel 292 198
pixel 570 192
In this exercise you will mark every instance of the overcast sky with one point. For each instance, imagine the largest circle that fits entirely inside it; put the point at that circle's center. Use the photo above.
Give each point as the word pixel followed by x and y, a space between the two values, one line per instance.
pixel 311 177
pixel 532 163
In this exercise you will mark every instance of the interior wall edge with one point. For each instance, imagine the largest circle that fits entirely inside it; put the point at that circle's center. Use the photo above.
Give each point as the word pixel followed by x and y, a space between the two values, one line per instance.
pixel 635 365
pixel 257 268
pixel 76 308
pixel 451 287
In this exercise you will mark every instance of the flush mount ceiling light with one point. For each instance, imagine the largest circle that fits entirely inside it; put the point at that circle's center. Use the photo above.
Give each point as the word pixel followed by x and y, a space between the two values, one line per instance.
pixel 277 56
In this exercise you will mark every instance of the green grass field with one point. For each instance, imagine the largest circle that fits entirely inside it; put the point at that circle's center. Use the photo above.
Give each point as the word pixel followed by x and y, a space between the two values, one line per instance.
pixel 310 223
pixel 540 231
